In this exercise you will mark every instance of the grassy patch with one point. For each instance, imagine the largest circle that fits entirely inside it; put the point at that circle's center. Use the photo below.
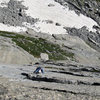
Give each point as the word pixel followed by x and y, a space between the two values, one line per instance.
pixel 98 0
pixel 95 70
pixel 36 46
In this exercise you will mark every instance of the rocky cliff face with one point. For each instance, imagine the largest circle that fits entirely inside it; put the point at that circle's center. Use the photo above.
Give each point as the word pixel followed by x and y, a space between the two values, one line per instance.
pixel 14 14
pixel 86 7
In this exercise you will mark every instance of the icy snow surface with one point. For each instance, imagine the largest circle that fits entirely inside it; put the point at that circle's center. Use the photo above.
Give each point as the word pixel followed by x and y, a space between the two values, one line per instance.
pixel 11 28
pixel 49 10
pixel 56 13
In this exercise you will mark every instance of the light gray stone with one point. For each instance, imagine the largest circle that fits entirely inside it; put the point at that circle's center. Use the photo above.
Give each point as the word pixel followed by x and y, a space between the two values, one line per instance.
pixel 44 56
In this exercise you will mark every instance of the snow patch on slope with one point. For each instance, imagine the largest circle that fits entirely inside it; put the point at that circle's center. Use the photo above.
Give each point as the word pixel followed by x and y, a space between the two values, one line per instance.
pixel 57 13
pixel 11 28
pixel 43 27
pixel 53 11
pixel 49 28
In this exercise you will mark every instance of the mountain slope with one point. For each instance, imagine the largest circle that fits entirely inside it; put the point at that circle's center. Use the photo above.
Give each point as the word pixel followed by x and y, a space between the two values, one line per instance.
pixel 54 17
pixel 12 54
pixel 67 31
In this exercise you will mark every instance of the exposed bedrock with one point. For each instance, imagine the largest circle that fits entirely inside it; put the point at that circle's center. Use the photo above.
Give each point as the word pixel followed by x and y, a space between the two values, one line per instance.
pixel 14 14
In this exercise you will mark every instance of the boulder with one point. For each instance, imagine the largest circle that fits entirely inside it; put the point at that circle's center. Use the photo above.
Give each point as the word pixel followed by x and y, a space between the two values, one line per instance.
pixel 44 56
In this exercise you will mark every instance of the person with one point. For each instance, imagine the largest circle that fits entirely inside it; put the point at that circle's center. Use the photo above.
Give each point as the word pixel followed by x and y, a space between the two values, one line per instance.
pixel 39 70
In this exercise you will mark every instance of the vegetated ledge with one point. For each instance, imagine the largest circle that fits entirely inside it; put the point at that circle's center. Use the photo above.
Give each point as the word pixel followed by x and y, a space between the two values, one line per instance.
pixel 36 46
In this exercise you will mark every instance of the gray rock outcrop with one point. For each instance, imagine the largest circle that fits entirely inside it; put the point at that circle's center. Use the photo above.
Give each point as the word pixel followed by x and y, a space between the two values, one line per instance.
pixel 90 9
pixel 86 7
pixel 14 14
pixel 10 53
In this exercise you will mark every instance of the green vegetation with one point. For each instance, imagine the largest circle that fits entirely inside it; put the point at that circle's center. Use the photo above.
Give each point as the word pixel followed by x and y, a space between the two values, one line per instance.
pixel 95 70
pixel 98 0
pixel 36 46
